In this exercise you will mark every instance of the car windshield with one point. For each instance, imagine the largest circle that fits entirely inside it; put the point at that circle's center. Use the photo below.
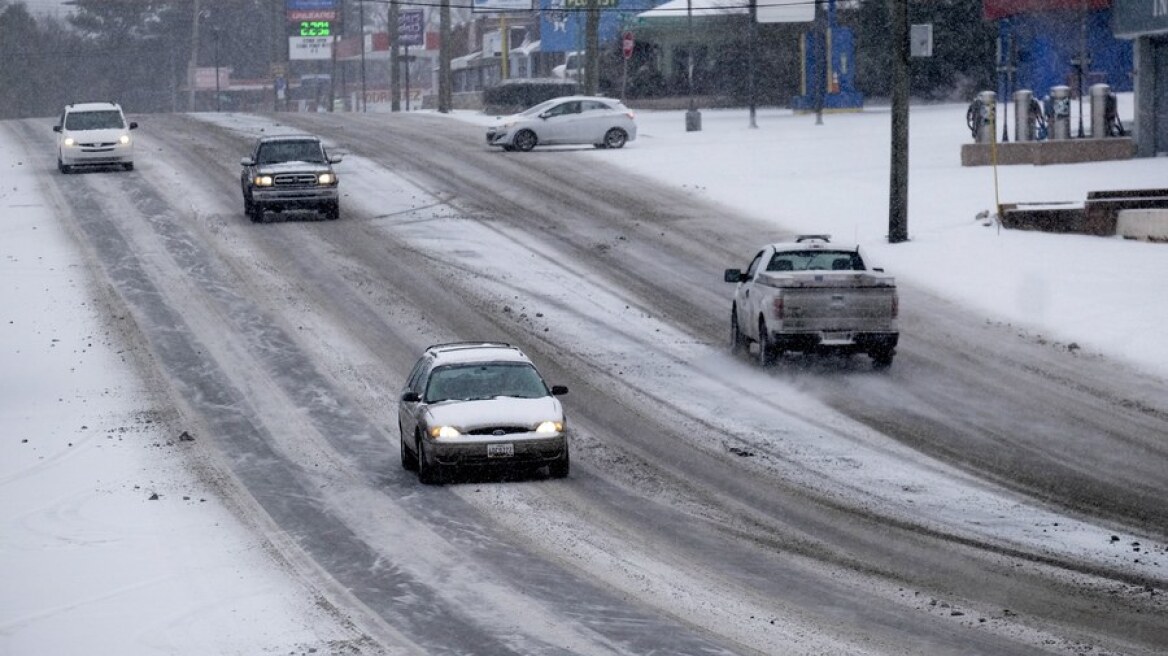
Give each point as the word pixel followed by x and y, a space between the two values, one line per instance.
pixel 815 261
pixel 290 151
pixel 102 119
pixel 540 108
pixel 468 382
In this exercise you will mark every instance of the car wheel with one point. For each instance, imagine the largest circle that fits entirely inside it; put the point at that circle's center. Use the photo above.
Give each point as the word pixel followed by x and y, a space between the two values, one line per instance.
pixel 332 211
pixel 524 141
pixel 615 138
pixel 63 167
pixel 737 339
pixel 561 467
pixel 129 166
pixel 882 359
pixel 409 461
pixel 256 213
pixel 766 351
pixel 427 474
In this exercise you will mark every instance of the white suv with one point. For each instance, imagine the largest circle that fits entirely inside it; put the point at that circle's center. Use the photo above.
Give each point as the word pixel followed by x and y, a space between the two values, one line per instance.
pixel 94 134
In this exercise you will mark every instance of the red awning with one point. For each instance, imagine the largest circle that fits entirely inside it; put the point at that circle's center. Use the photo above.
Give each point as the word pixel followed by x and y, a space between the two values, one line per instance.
pixel 996 9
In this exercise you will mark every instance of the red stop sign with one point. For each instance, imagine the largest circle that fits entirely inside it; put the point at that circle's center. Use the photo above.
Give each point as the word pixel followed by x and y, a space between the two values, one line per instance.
pixel 627 44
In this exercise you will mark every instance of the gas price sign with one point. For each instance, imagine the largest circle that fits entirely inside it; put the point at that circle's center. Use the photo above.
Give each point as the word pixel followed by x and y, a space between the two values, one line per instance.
pixel 316 28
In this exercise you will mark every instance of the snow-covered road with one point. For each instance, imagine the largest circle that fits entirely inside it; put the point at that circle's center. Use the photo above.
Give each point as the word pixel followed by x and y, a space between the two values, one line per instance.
pixel 713 507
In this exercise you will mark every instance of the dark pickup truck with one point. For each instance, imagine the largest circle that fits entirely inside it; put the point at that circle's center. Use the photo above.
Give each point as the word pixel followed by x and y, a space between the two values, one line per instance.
pixel 292 172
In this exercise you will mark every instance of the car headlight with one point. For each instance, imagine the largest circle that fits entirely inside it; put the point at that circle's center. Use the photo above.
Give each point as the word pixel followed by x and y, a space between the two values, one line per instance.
pixel 326 179
pixel 444 431
pixel 69 141
pixel 550 427
pixel 124 139
pixel 262 181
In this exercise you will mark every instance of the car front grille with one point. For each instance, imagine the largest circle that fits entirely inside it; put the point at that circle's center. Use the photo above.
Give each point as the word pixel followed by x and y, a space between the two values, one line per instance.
pixel 499 430
pixel 294 180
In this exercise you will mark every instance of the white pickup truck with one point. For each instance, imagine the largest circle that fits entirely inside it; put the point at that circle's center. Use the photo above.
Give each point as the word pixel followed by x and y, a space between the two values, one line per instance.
pixel 811 295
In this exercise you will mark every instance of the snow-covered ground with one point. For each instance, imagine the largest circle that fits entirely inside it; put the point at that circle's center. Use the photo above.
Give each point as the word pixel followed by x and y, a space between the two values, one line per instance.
pixel 109 543
pixel 93 562
pixel 1104 294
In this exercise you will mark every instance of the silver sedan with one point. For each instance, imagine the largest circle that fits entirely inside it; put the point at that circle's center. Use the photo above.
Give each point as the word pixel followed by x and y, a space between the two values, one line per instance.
pixel 602 122
pixel 472 404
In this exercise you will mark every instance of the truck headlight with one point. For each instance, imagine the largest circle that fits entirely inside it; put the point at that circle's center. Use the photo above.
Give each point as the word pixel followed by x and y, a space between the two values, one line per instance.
pixel 326 179
pixel 262 181
pixel 69 141
pixel 124 139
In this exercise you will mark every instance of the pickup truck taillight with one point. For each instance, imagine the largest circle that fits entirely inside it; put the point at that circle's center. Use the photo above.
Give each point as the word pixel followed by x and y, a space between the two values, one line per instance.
pixel 895 306
pixel 778 305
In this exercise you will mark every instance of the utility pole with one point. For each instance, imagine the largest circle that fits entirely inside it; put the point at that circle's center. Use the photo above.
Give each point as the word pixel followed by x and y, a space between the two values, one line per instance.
pixel 824 60
pixel 753 47
pixel 218 103
pixel 278 59
pixel 394 59
pixel 444 90
pixel 592 48
pixel 194 63
pixel 898 180
pixel 693 118
pixel 1081 64
pixel 361 7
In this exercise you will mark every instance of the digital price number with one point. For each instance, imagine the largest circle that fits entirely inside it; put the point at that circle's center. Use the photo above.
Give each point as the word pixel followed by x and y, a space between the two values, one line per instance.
pixel 315 28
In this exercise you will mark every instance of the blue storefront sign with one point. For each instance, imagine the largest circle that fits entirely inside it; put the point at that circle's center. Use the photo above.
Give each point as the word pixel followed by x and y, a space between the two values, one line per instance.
pixel 561 22
pixel 309 5
pixel 411 27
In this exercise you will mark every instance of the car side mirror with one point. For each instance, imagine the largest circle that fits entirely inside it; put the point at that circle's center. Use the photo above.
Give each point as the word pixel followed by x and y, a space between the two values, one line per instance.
pixel 544 116
pixel 56 128
pixel 335 159
pixel 880 269
pixel 247 161
pixel 133 125
pixel 411 397
pixel 559 390
pixel 733 275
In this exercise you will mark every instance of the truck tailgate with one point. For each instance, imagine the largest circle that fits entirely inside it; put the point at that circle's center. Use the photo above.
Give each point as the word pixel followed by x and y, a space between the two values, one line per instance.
pixel 843 302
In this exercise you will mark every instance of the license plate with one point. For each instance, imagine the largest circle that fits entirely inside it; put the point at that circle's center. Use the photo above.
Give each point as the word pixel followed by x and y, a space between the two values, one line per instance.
pixel 837 338
pixel 500 450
